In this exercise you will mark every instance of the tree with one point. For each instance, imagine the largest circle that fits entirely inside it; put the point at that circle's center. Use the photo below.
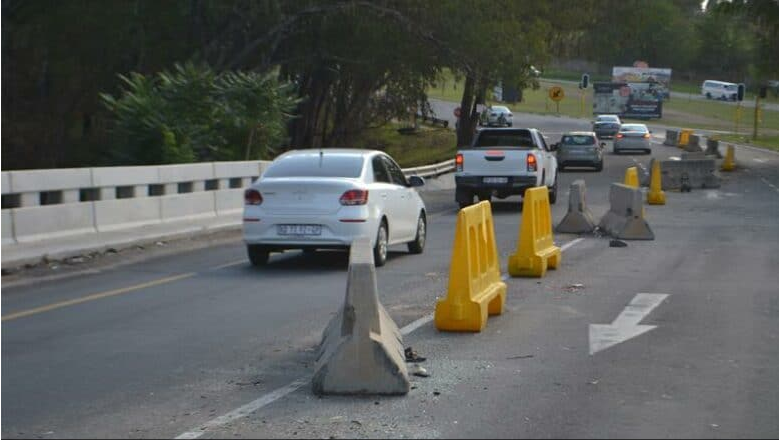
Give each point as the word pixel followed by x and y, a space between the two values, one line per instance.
pixel 193 114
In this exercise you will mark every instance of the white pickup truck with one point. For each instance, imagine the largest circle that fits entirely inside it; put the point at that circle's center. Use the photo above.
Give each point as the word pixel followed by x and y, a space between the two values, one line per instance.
pixel 503 162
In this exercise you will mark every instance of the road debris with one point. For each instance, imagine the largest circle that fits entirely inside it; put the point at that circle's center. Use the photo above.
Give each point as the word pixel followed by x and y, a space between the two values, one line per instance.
pixel 617 243
pixel 417 370
pixel 413 356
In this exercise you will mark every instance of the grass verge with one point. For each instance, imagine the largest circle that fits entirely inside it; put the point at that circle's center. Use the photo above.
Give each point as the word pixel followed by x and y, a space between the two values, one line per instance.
pixel 425 146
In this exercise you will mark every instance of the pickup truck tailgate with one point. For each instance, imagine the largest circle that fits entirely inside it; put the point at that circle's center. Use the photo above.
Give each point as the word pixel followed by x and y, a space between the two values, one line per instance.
pixel 494 162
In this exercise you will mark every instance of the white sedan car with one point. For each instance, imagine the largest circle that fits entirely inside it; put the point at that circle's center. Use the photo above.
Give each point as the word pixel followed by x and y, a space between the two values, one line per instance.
pixel 324 199
pixel 497 115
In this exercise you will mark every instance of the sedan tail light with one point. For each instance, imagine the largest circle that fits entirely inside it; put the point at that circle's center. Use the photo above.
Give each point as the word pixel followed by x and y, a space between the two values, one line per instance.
pixel 354 197
pixel 620 135
pixel 459 161
pixel 647 136
pixel 252 197
pixel 532 165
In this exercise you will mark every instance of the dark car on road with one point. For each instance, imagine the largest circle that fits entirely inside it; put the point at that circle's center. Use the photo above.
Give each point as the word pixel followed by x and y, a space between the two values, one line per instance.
pixel 606 126
pixel 579 149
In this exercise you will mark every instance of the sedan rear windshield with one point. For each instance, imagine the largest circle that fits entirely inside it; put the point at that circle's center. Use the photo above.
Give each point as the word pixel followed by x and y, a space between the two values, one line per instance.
pixel 578 140
pixel 314 165
pixel 504 138
pixel 638 128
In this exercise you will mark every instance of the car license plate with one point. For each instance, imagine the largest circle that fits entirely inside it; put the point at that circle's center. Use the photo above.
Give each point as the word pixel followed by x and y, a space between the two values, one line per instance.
pixel 300 229
pixel 495 179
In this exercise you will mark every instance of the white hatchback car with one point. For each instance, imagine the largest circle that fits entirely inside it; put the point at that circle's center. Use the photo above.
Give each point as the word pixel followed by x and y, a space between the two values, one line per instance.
pixel 324 199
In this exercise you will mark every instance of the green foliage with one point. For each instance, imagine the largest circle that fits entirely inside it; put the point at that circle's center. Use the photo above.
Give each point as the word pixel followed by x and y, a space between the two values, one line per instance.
pixel 192 114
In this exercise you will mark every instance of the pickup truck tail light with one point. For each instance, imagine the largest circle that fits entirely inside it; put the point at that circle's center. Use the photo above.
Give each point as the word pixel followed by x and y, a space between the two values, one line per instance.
pixel 458 162
pixel 647 136
pixel 532 165
pixel 620 135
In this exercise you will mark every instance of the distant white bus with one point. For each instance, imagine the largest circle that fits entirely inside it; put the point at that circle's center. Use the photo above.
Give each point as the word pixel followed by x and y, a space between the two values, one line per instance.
pixel 719 90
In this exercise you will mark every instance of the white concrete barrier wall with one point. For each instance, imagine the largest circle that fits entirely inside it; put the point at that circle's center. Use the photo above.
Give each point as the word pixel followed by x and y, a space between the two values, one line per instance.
pixel 186 173
pixel 50 180
pixel 52 221
pixel 24 220
pixel 125 176
pixel 188 206
pixel 229 201
pixel 8 227
pixel 116 214
pixel 6 182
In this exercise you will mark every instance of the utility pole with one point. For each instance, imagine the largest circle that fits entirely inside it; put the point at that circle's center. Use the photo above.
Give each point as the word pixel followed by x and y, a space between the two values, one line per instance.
pixel 757 113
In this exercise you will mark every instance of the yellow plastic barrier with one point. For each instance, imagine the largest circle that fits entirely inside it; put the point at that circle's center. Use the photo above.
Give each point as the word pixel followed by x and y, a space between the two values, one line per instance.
pixel 655 196
pixel 631 177
pixel 535 249
pixel 729 164
pixel 684 137
pixel 475 287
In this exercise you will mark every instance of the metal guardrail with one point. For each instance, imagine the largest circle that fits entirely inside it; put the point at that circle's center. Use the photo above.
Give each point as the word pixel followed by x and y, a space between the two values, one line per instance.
pixel 431 170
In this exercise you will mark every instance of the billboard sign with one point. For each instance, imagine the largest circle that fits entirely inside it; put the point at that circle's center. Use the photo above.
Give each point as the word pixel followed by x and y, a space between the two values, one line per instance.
pixel 659 78
pixel 628 100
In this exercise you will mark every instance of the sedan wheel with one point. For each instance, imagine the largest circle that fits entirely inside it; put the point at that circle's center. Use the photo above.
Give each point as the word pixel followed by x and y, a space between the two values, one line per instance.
pixel 380 249
pixel 418 245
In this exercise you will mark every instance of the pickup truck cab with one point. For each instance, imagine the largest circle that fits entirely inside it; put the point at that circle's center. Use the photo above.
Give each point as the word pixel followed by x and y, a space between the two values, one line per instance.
pixel 502 162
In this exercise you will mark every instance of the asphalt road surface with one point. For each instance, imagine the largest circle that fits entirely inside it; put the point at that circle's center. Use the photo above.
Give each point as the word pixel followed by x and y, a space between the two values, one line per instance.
pixel 165 346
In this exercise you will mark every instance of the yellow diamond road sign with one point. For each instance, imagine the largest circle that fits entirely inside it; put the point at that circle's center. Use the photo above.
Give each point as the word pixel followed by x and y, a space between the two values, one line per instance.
pixel 556 93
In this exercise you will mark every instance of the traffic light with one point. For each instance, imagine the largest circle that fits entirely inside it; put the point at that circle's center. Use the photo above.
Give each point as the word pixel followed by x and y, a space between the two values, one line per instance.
pixel 585 80
pixel 740 96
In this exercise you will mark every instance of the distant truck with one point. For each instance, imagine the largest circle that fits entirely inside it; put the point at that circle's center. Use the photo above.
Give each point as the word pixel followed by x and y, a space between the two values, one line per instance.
pixel 502 162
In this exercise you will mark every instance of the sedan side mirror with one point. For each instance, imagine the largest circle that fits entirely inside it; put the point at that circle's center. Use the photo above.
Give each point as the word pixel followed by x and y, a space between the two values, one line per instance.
pixel 553 147
pixel 416 181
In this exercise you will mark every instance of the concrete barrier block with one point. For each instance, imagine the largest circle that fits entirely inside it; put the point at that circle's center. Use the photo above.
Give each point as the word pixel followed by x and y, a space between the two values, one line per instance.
pixel 229 201
pixel 712 148
pixel 699 172
pixel 694 145
pixel 52 221
pixel 686 155
pixel 127 213
pixel 5 184
pixel 362 349
pixel 625 218
pixel 579 219
pixel 671 138
pixel 186 173
pixel 187 206
pixel 125 176
pixel 50 180
pixel 7 225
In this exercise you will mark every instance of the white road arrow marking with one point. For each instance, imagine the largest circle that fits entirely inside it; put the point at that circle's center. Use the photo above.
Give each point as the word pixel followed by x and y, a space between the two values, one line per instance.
pixel 603 336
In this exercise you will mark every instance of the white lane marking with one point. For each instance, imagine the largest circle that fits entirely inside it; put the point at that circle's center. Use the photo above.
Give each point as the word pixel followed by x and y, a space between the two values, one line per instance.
pixel 570 244
pixel 273 396
pixel 246 409
pixel 769 184
pixel 416 324
pixel 760 160
pixel 626 326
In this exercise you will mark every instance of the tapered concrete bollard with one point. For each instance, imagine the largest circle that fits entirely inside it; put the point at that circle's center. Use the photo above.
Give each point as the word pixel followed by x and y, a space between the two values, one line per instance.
pixel 361 350
pixel 579 219
pixel 625 219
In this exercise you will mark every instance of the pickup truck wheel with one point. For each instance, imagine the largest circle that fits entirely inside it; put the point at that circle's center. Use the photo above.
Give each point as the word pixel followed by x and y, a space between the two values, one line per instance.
pixel 463 197
pixel 553 192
